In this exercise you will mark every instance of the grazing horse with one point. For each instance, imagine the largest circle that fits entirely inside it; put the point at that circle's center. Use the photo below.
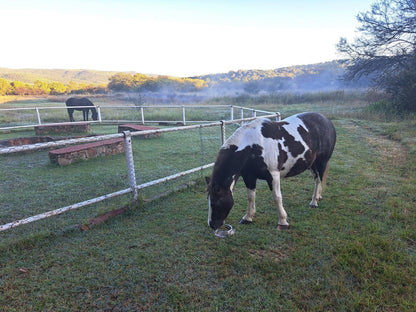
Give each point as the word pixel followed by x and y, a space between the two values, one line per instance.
pixel 269 150
pixel 81 102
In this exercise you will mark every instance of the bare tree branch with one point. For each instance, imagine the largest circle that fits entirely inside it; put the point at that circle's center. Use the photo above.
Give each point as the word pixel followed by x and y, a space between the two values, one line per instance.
pixel 387 41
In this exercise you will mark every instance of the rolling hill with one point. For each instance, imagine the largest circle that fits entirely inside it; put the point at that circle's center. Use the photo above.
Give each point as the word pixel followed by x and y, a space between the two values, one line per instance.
pixel 58 75
pixel 312 77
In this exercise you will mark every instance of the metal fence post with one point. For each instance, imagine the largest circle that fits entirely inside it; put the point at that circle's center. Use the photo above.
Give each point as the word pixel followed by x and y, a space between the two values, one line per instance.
pixel 278 116
pixel 37 114
pixel 183 115
pixel 130 164
pixel 231 112
pixel 99 114
pixel 222 132
pixel 142 113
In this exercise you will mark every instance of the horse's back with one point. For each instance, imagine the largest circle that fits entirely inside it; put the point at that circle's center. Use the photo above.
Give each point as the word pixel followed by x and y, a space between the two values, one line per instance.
pixel 78 102
pixel 70 102
pixel 297 143
pixel 321 131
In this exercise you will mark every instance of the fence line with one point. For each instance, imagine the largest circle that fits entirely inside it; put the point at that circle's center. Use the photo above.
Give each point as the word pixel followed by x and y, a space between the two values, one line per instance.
pixel 133 190
pixel 99 199
pixel 141 108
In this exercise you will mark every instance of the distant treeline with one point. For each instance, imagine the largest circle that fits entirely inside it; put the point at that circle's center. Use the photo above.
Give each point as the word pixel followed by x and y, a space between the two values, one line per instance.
pixel 121 82
pixel 46 88
pixel 334 67
pixel 142 83
pixel 302 78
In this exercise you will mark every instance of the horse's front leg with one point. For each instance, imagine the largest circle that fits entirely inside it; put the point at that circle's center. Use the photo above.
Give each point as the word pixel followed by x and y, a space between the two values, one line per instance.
pixel 251 210
pixel 250 182
pixel 277 196
pixel 70 113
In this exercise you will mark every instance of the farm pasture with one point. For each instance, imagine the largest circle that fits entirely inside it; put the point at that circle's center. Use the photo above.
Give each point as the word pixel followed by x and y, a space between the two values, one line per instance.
pixel 112 109
pixel 356 252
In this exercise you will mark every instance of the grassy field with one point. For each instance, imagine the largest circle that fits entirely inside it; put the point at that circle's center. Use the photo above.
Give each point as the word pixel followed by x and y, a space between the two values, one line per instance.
pixel 356 252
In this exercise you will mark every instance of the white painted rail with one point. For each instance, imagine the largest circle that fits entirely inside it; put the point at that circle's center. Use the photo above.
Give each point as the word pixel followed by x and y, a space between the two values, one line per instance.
pixel 37 114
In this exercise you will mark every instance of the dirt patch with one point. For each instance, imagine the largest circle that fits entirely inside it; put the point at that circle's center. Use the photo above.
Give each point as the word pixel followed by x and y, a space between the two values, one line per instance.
pixel 273 254
pixel 103 218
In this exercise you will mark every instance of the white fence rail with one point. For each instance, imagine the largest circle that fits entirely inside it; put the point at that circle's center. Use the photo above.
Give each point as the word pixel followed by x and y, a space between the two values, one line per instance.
pixel 26 117
pixel 134 188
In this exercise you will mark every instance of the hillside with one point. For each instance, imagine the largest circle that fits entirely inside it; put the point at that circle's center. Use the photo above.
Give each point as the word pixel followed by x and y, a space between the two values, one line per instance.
pixel 301 78
pixel 312 77
pixel 58 75
pixel 336 67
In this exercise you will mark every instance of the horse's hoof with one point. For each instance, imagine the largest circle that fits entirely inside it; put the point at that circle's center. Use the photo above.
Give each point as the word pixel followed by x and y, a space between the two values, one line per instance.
pixel 283 227
pixel 313 206
pixel 243 221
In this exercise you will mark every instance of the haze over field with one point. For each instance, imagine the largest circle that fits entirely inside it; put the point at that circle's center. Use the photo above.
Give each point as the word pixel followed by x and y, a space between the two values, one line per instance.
pixel 177 38
pixel 302 78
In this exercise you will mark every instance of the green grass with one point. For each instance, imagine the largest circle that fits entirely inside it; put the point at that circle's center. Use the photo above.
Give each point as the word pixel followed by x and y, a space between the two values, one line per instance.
pixel 31 178
pixel 356 252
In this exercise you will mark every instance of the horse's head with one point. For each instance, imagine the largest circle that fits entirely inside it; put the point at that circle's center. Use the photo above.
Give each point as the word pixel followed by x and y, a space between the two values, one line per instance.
pixel 94 114
pixel 220 202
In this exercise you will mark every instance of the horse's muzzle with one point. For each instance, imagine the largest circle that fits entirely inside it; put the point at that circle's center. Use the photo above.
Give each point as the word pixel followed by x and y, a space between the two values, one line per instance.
pixel 215 224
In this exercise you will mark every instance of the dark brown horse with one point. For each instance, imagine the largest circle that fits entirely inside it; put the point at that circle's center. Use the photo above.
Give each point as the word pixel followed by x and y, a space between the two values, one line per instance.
pixel 75 103
pixel 269 151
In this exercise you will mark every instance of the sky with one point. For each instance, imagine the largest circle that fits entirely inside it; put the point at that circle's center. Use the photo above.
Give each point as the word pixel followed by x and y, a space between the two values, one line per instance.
pixel 177 38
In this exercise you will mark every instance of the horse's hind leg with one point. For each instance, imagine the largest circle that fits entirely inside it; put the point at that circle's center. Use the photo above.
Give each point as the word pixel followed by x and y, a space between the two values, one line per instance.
pixel 85 114
pixel 317 192
pixel 319 173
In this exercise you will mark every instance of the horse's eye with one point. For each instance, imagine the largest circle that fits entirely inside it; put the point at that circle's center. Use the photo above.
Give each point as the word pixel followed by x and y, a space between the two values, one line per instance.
pixel 216 189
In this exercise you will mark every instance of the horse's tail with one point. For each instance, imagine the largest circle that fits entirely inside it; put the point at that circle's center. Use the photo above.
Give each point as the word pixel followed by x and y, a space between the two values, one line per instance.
pixel 325 176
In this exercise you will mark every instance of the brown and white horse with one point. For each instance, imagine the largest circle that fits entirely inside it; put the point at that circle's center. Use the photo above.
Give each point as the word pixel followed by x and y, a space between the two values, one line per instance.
pixel 269 150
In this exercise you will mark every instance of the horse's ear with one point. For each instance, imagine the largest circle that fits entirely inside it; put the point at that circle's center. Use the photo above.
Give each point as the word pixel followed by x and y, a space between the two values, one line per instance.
pixel 208 180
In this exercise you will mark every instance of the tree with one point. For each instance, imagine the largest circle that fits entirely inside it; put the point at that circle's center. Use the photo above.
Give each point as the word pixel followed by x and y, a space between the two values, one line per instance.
pixel 20 88
pixel 386 49
pixel 41 87
pixel 57 88
pixel 139 80
pixel 72 87
pixel 402 88
pixel 5 87
pixel 121 82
